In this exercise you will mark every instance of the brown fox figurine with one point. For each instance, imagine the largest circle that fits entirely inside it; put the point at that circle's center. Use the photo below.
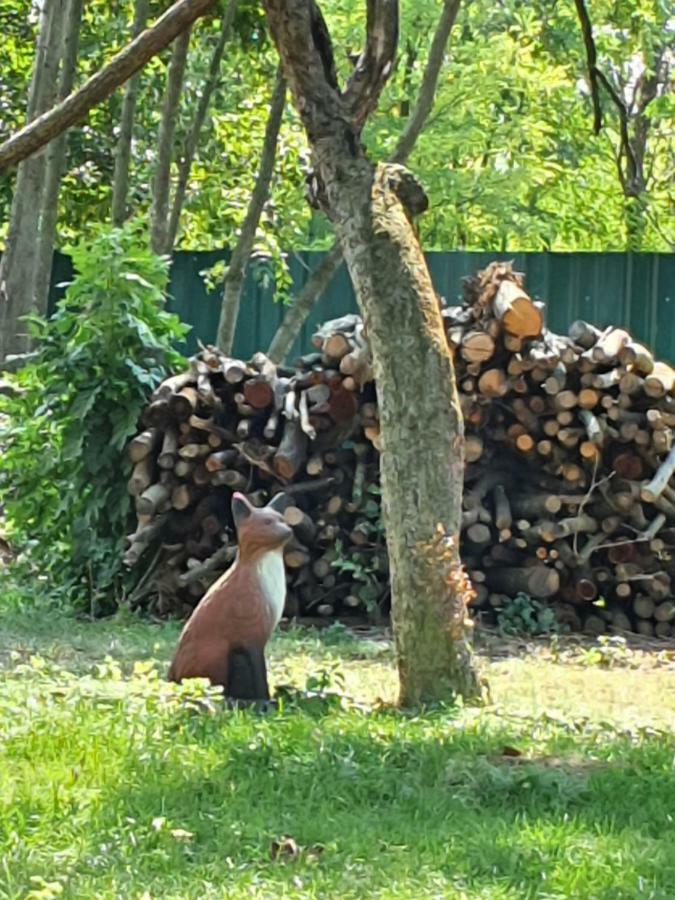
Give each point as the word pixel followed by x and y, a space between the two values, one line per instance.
pixel 224 638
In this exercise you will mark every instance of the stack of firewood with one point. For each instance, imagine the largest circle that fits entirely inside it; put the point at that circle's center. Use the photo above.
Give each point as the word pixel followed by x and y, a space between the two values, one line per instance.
pixel 568 451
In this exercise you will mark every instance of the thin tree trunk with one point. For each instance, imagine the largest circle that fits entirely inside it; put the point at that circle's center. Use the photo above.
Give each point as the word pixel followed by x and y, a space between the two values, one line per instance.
pixel 56 156
pixel 236 269
pixel 324 273
pixel 102 84
pixel 421 430
pixel 120 189
pixel 192 140
pixel 159 216
pixel 19 260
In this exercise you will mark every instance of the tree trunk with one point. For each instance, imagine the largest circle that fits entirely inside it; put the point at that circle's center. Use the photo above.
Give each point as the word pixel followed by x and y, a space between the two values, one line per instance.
pixel 418 404
pixel 120 189
pixel 236 269
pixel 192 140
pixel 322 276
pixel 421 427
pixel 19 260
pixel 159 215
pixel 56 157
pixel 101 85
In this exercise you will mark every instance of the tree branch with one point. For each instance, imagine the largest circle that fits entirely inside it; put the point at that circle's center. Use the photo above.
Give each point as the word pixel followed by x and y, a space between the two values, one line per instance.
pixel 376 62
pixel 102 84
pixel 304 46
pixel 591 58
pixel 427 91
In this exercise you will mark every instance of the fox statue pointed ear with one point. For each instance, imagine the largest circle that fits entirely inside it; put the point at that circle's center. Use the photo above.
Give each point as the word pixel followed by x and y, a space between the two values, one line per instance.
pixel 241 509
pixel 279 502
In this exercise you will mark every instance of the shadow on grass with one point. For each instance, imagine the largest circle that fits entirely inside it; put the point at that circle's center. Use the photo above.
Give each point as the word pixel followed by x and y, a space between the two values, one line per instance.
pixel 387 800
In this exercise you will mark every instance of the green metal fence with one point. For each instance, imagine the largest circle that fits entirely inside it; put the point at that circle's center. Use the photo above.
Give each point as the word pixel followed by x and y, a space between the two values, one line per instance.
pixel 636 291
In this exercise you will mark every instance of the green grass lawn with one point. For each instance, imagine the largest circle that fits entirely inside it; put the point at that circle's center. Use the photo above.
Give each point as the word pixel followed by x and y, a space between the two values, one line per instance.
pixel 116 785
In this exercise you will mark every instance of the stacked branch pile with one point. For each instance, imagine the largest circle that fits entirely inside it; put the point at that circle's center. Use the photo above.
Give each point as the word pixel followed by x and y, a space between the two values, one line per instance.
pixel 568 493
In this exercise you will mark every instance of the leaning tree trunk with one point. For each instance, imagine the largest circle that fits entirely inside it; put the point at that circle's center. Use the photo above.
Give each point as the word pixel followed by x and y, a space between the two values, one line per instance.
pixel 18 265
pixel 421 427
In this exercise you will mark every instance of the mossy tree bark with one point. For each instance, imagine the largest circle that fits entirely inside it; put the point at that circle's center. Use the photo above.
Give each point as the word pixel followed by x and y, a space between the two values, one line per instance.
pixel 372 209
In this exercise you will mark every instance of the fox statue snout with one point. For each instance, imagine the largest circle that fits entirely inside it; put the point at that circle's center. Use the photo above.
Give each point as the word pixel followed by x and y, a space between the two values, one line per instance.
pixel 224 639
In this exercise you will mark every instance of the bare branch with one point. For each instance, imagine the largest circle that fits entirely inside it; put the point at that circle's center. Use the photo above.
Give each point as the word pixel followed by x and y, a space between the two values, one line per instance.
pixel 304 46
pixel 103 83
pixel 376 62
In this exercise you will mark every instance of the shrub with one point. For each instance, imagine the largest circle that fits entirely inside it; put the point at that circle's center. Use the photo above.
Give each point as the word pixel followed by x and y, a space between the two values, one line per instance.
pixel 64 467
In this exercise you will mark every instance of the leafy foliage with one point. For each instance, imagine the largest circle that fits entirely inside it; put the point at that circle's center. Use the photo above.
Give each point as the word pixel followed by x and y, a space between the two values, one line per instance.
pixel 524 615
pixel 108 345
pixel 508 156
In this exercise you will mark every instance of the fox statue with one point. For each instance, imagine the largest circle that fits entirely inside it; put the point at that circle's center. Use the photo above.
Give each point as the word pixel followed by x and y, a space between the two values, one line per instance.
pixel 224 638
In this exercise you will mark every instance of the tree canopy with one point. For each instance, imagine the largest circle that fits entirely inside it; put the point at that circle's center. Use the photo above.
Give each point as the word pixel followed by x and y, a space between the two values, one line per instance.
pixel 509 156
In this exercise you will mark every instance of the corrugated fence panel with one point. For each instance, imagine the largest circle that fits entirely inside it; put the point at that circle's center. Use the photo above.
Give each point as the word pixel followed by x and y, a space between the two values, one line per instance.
pixel 634 291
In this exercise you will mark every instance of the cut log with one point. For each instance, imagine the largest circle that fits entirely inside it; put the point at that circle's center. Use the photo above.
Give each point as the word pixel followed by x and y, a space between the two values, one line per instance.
pixel 292 452
pixel 516 311
pixel 477 346
pixel 536 581
pixel 651 491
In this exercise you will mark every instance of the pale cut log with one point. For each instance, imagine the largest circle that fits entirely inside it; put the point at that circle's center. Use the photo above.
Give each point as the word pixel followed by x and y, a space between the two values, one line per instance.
pixel 535 504
pixel 152 500
pixel 631 384
pixel 473 448
pixel 643 606
pixel 141 476
pixel 221 459
pixel 143 444
pixel 665 612
pixel 503 516
pixel 565 400
pixel 184 403
pixel 493 383
pixel 536 581
pixel 607 348
pixel 302 524
pixel 556 381
pixel 637 356
pixel 182 496
pixel 184 468
pixel 167 455
pixel 516 311
pixel 194 451
pixel 477 346
pixel 654 488
pixel 660 381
